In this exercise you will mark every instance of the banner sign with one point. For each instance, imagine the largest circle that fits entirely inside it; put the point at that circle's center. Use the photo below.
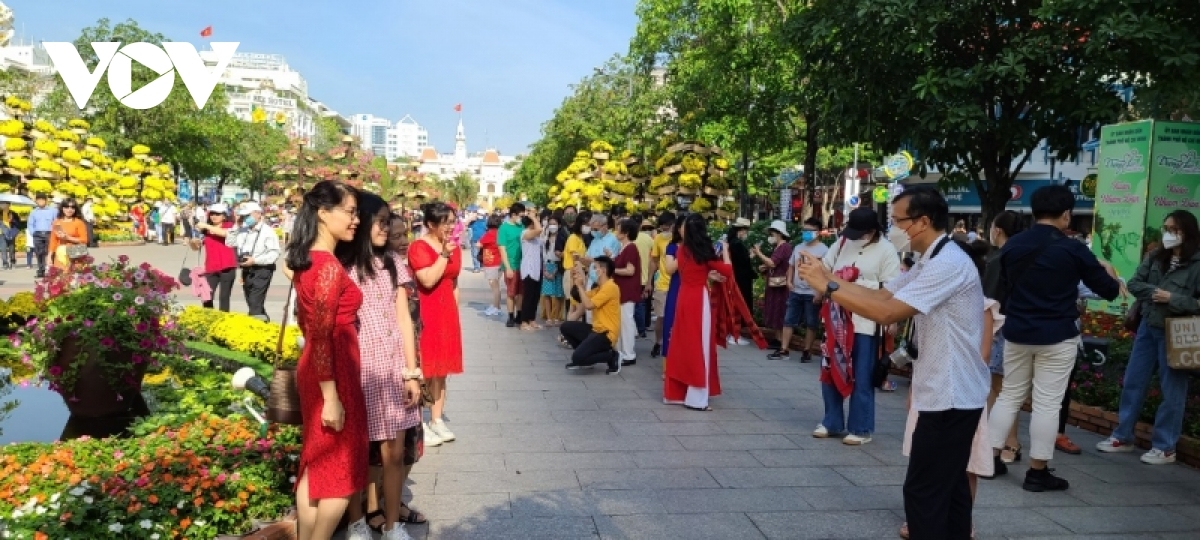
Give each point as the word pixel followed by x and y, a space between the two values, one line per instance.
pixel 1174 174
pixel 1123 176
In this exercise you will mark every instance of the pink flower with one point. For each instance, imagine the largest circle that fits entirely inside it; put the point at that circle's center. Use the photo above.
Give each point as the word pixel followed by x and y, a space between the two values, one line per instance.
pixel 116 297
pixel 55 371
pixel 87 323
pixel 107 342
pixel 123 259
pixel 142 327
pixel 139 300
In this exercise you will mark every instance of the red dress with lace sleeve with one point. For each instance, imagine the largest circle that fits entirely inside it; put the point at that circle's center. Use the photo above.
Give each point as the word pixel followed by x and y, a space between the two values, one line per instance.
pixel 327 310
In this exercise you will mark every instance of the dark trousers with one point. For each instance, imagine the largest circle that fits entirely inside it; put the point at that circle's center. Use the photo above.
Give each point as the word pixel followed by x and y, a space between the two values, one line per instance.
pixel 531 289
pixel 168 234
pixel 256 281
pixel 590 347
pixel 639 317
pixel 41 245
pixel 187 228
pixel 91 234
pixel 746 287
pixel 937 496
pixel 221 284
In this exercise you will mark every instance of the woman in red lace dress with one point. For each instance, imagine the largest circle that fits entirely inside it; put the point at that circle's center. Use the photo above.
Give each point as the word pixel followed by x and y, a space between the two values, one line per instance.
pixel 333 461
pixel 436 262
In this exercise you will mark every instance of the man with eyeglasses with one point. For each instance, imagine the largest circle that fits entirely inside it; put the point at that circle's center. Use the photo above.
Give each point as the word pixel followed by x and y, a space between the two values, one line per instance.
pixel 950 380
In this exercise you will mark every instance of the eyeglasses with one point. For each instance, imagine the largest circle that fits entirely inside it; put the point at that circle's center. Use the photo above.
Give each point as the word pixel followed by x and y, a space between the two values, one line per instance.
pixel 898 220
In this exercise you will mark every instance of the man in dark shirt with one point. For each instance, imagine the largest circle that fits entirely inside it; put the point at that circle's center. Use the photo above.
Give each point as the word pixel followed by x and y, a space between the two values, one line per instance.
pixel 1043 268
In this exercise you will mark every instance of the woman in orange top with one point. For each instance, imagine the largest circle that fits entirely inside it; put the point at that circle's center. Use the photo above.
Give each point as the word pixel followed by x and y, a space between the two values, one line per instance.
pixel 68 230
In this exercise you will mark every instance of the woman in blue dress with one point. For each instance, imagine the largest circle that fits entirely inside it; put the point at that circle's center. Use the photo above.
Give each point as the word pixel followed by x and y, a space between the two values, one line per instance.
pixel 671 266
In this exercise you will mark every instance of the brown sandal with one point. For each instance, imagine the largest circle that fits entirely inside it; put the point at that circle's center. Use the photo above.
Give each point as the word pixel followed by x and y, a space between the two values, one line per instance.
pixel 1014 454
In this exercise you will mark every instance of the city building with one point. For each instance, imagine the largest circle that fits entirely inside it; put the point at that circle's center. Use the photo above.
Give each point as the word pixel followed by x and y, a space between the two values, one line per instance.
pixel 266 81
pixel 491 169
pixel 404 139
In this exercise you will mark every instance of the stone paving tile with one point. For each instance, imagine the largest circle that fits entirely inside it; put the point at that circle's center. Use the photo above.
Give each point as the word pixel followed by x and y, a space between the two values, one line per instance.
pixel 517 529
pixel 686 460
pixel 646 479
pixel 572 461
pixel 736 442
pixel 504 481
pixel 703 501
pixel 621 444
pixel 826 524
pixel 588 503
pixel 815 458
pixel 851 498
pixel 558 430
pixel 683 527
pixel 1097 520
pixel 874 476
pixel 769 477
pixel 1002 522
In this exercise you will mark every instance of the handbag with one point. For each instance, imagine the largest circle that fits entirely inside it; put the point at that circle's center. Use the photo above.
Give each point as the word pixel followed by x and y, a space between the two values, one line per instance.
pixel 185 273
pixel 283 406
pixel 1183 342
pixel 777 281
pixel 76 251
pixel 1133 316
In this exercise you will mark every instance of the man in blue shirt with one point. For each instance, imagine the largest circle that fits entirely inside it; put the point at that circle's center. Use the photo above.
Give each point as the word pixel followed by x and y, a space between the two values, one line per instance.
pixel 1043 269
pixel 604 244
pixel 41 221
pixel 478 226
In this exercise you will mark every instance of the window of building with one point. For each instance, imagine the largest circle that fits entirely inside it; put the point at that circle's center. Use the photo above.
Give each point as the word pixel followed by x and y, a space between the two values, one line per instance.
pixel 491 188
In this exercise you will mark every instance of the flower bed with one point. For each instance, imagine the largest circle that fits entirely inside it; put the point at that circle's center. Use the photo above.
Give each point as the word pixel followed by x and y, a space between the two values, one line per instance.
pixel 241 333
pixel 194 480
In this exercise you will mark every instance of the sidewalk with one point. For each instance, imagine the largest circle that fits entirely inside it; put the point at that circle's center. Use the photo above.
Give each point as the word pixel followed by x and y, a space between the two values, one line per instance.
pixel 547 453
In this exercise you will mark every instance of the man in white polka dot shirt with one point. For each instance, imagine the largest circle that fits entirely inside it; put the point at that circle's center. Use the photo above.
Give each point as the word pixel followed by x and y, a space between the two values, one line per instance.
pixel 950 380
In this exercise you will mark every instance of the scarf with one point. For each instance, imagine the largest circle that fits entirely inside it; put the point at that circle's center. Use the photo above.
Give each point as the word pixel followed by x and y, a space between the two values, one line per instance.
pixel 837 368
pixel 731 314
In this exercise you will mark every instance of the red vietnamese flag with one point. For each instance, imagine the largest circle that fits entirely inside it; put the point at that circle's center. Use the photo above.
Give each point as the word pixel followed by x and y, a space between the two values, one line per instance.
pixel 458 108
pixel 207 32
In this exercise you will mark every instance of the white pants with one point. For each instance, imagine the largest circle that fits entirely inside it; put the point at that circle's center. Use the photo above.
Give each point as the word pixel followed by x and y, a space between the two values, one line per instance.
pixel 1046 369
pixel 697 397
pixel 628 332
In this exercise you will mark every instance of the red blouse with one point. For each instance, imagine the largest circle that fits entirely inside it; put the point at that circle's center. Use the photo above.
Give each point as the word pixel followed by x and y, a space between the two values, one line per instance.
pixel 218 257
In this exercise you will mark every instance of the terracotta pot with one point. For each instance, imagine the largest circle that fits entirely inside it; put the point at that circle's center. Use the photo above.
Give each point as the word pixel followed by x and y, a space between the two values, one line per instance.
pixel 283 407
pixel 93 395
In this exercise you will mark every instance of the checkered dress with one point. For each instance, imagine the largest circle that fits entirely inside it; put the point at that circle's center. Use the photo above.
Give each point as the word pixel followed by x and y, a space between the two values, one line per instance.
pixel 382 351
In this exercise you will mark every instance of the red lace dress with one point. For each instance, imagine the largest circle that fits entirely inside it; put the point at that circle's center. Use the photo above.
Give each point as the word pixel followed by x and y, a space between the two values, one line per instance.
pixel 441 337
pixel 327 310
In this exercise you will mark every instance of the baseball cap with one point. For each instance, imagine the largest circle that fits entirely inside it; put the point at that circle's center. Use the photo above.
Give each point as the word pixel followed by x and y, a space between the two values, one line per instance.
pixel 247 208
pixel 861 221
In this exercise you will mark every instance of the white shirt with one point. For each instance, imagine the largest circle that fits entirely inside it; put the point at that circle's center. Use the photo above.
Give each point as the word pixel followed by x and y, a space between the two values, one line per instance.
pixel 877 263
pixel 949 372
pixel 260 243
pixel 87 213
pixel 168 213
pixel 818 251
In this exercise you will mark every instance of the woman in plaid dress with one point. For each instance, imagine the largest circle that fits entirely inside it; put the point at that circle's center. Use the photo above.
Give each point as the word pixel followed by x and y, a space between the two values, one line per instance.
pixel 390 376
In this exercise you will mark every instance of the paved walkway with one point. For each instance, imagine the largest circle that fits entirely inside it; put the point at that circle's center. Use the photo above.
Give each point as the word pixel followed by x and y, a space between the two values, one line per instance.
pixel 547 453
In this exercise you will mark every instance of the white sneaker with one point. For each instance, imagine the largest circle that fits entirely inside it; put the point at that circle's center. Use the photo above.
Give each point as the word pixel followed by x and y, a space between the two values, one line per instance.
pixel 856 440
pixel 432 439
pixel 397 532
pixel 731 341
pixel 491 311
pixel 821 432
pixel 1158 457
pixel 743 341
pixel 359 531
pixel 1112 445
pixel 439 427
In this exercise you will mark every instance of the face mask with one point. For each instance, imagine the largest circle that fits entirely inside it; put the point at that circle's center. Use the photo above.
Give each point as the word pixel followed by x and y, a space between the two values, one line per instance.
pixel 772 240
pixel 586 229
pixel 595 234
pixel 570 218
pixel 899 238
pixel 249 221
pixel 1171 240
pixel 808 236
pixel 553 229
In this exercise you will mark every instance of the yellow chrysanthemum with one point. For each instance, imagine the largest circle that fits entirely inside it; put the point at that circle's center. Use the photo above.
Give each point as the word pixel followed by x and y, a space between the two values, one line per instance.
pixel 140 150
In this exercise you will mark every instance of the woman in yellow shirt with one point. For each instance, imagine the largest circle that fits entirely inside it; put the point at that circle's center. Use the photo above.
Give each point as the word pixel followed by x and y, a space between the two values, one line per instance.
pixel 575 247
pixel 68 230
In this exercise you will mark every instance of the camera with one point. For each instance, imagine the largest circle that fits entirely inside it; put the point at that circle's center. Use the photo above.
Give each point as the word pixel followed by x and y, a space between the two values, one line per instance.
pixel 904 355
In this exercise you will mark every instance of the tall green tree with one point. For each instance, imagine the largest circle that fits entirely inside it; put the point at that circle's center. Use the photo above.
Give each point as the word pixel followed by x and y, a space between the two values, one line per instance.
pixel 462 190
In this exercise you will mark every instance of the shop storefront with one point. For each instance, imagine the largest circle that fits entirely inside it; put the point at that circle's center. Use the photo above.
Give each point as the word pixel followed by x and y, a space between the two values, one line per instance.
pixel 965 203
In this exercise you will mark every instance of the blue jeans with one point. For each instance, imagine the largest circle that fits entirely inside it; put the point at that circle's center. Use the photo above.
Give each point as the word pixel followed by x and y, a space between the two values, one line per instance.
pixel 639 317
pixel 1150 354
pixel 862 398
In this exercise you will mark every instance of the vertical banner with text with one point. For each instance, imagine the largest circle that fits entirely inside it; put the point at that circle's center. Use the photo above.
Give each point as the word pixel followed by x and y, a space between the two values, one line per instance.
pixel 1174 174
pixel 1123 179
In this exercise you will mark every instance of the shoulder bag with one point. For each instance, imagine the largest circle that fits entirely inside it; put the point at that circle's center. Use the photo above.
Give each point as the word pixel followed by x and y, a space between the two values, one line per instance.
pixel 185 273
pixel 283 405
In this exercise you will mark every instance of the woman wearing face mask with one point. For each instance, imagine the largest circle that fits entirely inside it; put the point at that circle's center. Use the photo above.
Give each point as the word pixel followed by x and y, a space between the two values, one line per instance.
pixel 775 267
pixel 436 262
pixel 1006 225
pixel 552 287
pixel 531 270
pixel 1167 283
pixel 576 246
pixel 871 260
pixel 803 306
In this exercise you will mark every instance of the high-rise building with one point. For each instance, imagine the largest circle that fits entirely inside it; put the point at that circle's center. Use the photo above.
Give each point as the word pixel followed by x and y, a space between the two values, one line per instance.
pixel 405 138
pixel 372 132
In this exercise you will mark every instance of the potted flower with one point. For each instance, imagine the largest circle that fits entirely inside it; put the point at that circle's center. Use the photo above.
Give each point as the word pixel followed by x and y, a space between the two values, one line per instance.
pixel 99 327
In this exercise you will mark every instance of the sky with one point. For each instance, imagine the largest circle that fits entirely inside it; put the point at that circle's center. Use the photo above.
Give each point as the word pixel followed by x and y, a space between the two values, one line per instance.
pixel 509 62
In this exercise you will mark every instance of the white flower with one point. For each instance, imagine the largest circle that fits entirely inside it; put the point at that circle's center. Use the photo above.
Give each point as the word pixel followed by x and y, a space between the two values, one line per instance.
pixel 154 536
pixel 292 479
pixel 116 527
pixel 199 522
pixel 17 513
pixel 54 497
pixel 145 524
pixel 180 505
pixel 88 499
pixel 77 491
pixel 41 510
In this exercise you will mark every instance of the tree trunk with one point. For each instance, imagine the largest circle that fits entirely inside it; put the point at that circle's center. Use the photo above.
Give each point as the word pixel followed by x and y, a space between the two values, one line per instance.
pixel 810 157
pixel 221 184
pixel 996 199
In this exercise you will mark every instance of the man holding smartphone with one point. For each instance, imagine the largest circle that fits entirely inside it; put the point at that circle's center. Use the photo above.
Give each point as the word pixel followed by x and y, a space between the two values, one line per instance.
pixel 257 248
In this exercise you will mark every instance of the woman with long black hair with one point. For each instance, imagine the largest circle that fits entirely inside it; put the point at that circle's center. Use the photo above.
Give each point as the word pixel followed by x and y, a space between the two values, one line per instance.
pixel 437 262
pixel 333 462
pixel 389 374
pixel 531 270
pixel 692 372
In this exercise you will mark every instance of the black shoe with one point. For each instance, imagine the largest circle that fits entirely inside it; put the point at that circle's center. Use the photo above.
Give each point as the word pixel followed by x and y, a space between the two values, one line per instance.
pixel 614 364
pixel 779 354
pixel 656 350
pixel 629 362
pixel 999 468
pixel 805 357
pixel 1039 480
pixel 512 321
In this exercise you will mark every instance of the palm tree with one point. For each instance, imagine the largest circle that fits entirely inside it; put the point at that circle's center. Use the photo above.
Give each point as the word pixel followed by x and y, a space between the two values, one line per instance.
pixel 462 190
